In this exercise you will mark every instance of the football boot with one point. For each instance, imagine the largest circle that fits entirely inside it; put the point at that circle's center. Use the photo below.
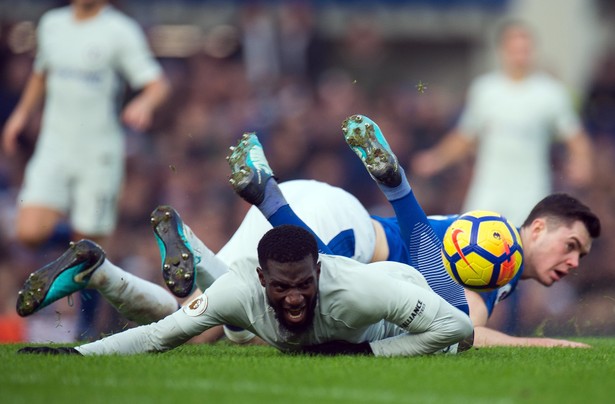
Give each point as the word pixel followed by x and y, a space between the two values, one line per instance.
pixel 66 275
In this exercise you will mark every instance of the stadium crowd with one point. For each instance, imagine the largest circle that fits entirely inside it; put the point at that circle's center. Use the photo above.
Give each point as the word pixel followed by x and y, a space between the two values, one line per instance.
pixel 296 101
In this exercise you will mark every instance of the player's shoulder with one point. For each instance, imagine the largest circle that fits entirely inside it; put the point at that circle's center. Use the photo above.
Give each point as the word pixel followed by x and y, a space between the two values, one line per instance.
pixel 342 276
pixel 337 273
pixel 548 83
pixel 343 283
pixel 487 79
pixel 119 21
pixel 59 14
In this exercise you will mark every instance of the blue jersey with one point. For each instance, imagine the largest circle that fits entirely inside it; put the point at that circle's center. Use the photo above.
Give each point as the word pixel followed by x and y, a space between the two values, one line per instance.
pixel 399 252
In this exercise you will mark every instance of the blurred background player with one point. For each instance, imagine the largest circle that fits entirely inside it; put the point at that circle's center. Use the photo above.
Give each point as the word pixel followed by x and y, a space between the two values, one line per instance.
pixel 77 168
pixel 517 123
pixel 511 118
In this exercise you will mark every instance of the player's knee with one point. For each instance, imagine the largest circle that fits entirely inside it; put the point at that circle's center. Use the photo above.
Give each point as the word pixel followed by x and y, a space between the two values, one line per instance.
pixel 31 237
pixel 35 226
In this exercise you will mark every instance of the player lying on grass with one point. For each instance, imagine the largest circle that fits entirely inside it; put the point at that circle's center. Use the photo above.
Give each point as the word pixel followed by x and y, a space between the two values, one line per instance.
pixel 556 234
pixel 298 300
pixel 554 238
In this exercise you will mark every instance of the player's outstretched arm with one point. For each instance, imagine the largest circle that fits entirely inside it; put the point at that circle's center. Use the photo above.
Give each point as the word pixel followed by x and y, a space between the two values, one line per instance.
pixel 453 148
pixel 30 99
pixel 138 114
pixel 485 336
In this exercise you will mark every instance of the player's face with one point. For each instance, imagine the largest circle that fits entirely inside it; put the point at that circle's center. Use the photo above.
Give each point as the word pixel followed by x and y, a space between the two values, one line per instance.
pixel 517 49
pixel 556 250
pixel 292 291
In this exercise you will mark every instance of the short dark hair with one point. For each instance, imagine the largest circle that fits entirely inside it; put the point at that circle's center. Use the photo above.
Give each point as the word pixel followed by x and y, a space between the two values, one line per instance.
pixel 286 243
pixel 566 208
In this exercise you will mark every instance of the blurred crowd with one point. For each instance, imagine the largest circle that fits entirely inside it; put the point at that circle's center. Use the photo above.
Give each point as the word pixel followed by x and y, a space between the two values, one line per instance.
pixel 275 75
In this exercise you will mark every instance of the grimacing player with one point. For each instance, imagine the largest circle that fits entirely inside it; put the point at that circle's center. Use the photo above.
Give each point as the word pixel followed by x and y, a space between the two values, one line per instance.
pixel 298 300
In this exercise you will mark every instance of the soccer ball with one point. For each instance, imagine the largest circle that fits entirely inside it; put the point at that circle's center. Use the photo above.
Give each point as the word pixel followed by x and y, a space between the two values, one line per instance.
pixel 482 250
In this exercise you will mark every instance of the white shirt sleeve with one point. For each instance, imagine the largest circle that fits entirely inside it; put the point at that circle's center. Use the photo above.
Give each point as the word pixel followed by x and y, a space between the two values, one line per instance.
pixel 135 60
pixel 402 298
pixel 450 326
pixel 565 119
pixel 197 316
pixel 469 123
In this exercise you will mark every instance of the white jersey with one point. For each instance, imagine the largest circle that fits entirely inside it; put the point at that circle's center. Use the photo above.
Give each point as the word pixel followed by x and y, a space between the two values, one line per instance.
pixel 514 123
pixel 83 61
pixel 78 165
pixel 331 212
pixel 388 304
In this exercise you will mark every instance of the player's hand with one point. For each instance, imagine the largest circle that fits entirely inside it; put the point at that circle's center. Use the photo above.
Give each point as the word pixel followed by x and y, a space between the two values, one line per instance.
pixel 425 164
pixel 13 127
pixel 47 350
pixel 138 114
pixel 556 343
pixel 339 348
pixel 579 174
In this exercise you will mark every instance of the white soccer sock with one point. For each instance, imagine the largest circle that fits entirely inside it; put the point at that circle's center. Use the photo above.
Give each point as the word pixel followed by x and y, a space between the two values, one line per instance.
pixel 136 299
pixel 208 266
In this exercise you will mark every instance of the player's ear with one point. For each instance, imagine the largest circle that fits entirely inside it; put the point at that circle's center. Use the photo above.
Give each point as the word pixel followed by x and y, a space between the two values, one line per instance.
pixel 318 270
pixel 538 226
pixel 261 276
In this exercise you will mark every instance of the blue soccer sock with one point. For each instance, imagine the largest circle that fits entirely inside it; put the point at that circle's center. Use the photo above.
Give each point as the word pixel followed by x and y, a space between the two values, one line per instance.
pixel 273 200
pixel 278 212
pixel 60 237
pixel 423 244
pixel 285 215
pixel 398 192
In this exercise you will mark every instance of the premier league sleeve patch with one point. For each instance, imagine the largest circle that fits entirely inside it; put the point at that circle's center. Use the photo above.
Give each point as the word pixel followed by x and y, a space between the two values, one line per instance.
pixel 196 307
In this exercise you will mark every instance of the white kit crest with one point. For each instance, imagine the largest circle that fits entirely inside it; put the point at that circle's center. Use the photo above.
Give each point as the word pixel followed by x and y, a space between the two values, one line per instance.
pixel 196 307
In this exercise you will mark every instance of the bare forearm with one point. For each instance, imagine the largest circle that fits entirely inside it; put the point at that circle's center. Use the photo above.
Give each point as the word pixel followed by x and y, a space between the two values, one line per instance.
pixel 454 148
pixel 451 150
pixel 580 163
pixel 139 112
pixel 484 337
pixel 30 99
pixel 155 93
pixel 32 95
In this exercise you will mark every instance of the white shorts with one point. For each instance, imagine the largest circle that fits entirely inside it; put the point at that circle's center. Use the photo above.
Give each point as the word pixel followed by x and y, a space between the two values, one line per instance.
pixel 329 211
pixel 86 192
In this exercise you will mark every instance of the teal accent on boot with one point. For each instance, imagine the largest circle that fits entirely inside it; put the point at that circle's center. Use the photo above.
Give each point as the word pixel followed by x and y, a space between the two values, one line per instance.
pixel 69 273
pixel 367 141
pixel 249 169
pixel 177 256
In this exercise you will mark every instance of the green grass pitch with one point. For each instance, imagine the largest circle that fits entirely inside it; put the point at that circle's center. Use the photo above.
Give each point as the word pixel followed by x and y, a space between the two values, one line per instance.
pixel 224 373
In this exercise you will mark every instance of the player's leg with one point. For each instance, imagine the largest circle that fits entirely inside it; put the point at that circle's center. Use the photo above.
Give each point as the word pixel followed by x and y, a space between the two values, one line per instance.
pixel 367 141
pixel 253 180
pixel 42 201
pixel 36 224
pixel 84 265
pixel 95 188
